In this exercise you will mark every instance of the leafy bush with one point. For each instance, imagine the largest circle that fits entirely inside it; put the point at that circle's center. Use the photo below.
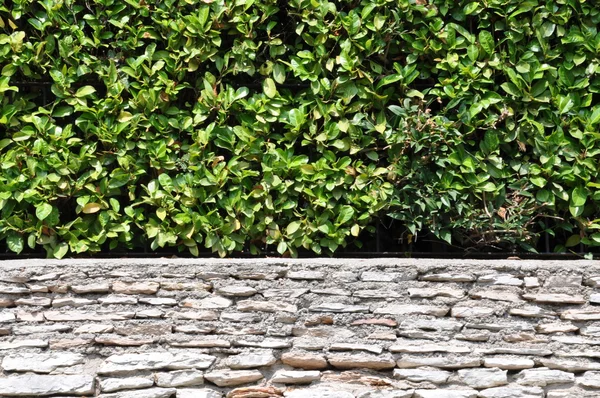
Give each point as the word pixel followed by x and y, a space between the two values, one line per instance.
pixel 247 124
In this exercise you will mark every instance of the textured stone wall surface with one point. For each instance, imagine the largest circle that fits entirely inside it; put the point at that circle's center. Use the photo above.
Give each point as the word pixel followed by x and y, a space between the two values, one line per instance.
pixel 377 328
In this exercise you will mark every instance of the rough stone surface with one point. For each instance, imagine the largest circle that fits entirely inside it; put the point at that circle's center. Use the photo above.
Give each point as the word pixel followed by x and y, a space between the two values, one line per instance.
pixel 318 392
pixel 500 279
pixel 414 309
pixel 361 361
pixel 127 363
pixel 512 392
pixel 198 393
pixel 146 393
pixel 126 383
pixel 43 385
pixel 459 362
pixel 483 378
pixel 251 360
pixel 419 375
pixel 366 328
pixel 542 377
pixel 135 287
pixel 40 363
pixel 472 312
pixel 445 394
pixel 304 360
pixel 589 379
pixel 508 363
pixel 179 378
pixel 227 378
pixel 296 376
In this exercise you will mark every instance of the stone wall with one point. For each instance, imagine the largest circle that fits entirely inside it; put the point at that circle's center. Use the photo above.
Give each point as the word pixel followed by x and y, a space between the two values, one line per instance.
pixel 384 328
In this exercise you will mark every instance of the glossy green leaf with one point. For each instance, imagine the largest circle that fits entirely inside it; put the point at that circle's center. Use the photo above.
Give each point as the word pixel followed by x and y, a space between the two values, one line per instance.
pixel 486 40
pixel 61 250
pixel 293 227
pixel 85 91
pixel 578 196
pixel 15 242
pixel 269 87
pixel 43 210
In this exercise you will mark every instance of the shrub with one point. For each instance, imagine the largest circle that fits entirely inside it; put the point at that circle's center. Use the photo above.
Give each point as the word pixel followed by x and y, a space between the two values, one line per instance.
pixel 246 124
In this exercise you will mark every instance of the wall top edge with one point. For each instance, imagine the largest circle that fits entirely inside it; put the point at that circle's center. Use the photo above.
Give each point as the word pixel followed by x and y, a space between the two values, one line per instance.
pixel 422 264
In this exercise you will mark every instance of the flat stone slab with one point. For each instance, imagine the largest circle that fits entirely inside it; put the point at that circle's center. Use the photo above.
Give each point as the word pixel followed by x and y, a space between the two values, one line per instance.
pixel 445 394
pixel 128 363
pixel 296 376
pixel 40 363
pixel 318 392
pixel 227 378
pixel 43 385
pixel 146 393
pixel 125 383
pixel 366 361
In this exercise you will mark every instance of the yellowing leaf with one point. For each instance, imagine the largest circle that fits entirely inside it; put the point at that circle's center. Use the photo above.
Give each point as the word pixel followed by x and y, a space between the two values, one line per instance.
pixel 124 117
pixel 269 87
pixel 91 208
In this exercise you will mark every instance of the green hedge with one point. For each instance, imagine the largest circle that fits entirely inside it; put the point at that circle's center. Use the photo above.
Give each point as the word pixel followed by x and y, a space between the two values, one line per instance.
pixel 257 124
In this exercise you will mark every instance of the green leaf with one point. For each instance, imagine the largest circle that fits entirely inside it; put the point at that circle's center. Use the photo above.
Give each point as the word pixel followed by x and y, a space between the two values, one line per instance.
pixel 31 241
pixel 61 250
pixel 388 80
pixel 539 88
pixel 473 52
pixel 124 117
pixel 595 117
pixel 166 182
pixel 345 215
pixel 470 8
pixel 488 187
pixel 293 227
pixel 85 91
pixel 565 103
pixel 487 41
pixel 9 70
pixel 578 196
pixel 573 241
pixel 279 73
pixel 511 89
pixel 15 242
pixel 269 87
pixel 576 211
pixel 296 117
pixel 4 143
pixel 538 181
pixel 415 93
pixel 91 208
pixel 43 210
pixel 490 141
pixel 240 93
pixel 446 235
pixel 281 247
pixel 355 230
pixel 22 135
pixel 63 111
pixel 307 169
pixel 548 29
pixel 544 196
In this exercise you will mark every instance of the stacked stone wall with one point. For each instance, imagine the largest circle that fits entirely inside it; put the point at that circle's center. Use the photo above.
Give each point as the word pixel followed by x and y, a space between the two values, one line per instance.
pixel 377 328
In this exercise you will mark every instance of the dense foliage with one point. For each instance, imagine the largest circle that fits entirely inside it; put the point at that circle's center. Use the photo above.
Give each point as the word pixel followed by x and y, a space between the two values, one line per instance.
pixel 255 124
